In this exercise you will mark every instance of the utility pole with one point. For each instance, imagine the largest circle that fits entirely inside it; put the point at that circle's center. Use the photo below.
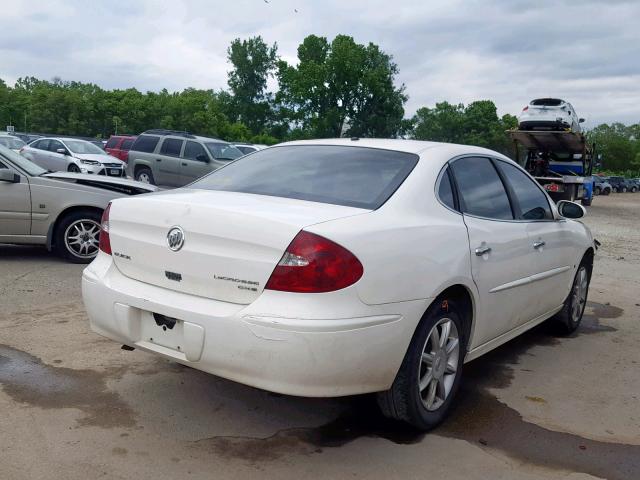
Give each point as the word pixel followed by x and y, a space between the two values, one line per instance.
pixel 116 120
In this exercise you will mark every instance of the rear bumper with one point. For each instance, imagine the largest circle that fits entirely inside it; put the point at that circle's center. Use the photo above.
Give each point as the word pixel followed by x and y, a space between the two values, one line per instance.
pixel 319 345
pixel 543 125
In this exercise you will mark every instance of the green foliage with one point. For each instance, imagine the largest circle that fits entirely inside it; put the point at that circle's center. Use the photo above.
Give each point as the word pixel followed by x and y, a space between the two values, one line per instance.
pixel 476 124
pixel 253 63
pixel 619 146
pixel 340 88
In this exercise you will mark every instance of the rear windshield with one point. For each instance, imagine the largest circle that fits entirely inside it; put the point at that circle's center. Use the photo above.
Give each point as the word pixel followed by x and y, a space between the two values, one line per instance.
pixel 547 102
pixel 350 176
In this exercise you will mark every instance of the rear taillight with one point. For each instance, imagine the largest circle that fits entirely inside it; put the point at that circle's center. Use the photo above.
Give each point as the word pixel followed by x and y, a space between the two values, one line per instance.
pixel 105 241
pixel 525 108
pixel 314 264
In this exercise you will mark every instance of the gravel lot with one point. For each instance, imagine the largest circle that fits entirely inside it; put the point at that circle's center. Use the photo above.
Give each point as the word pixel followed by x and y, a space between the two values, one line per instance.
pixel 75 406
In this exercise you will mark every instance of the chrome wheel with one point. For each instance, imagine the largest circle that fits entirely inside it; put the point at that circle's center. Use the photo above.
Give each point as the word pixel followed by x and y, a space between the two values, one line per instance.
pixel 82 238
pixel 144 177
pixel 439 364
pixel 579 294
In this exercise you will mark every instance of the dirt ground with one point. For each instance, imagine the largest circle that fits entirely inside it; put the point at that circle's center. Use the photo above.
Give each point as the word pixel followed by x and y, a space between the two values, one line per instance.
pixel 75 406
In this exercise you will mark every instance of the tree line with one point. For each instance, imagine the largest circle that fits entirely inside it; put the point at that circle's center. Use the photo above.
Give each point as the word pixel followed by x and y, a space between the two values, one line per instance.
pixel 336 88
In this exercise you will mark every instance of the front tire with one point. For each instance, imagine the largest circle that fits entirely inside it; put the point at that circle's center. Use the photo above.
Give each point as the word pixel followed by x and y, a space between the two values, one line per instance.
pixel 568 319
pixel 73 168
pixel 596 191
pixel 77 236
pixel 145 175
pixel 429 377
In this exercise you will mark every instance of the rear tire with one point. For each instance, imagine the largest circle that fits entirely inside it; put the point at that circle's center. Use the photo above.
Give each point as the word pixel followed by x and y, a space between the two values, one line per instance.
pixel 144 175
pixel 77 235
pixel 429 376
pixel 597 191
pixel 568 319
pixel 607 191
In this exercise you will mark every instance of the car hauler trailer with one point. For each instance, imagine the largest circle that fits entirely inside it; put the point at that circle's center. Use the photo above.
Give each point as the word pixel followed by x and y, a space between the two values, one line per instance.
pixel 561 161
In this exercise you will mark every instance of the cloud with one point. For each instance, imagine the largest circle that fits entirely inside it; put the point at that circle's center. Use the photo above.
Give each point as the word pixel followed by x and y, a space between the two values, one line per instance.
pixel 508 51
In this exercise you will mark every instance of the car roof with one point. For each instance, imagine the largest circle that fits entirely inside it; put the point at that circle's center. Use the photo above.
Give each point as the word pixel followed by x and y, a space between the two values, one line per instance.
pixel 400 145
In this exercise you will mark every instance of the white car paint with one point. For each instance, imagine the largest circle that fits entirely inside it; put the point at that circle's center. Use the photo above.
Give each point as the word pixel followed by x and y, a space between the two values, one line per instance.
pixel 343 342
pixel 89 163
pixel 549 114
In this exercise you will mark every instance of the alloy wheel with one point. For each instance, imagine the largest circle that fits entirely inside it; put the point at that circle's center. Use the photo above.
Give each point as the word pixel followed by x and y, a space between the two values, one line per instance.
pixel 82 238
pixel 144 177
pixel 579 294
pixel 439 364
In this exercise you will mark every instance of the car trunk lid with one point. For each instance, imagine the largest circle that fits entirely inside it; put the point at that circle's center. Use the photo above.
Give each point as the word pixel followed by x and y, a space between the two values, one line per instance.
pixel 232 241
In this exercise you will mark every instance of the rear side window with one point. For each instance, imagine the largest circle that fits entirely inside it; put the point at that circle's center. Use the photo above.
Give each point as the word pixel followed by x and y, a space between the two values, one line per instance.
pixel 126 144
pixel 481 190
pixel 41 144
pixel 145 143
pixel 350 176
pixel 192 150
pixel 532 202
pixel 112 143
pixel 445 191
pixel 171 146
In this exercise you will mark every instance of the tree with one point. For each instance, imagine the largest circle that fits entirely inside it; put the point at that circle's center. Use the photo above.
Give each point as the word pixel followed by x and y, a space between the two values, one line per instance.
pixel 342 88
pixel 253 63
pixel 618 145
pixel 476 124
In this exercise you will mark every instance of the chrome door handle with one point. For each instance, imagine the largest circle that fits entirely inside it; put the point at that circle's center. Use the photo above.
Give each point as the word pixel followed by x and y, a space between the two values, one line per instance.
pixel 537 245
pixel 480 251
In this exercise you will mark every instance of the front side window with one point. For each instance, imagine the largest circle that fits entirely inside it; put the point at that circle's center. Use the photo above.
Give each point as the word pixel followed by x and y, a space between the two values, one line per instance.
pixel 171 147
pixel 532 201
pixel 481 191
pixel 54 145
pixel 350 176
pixel 193 150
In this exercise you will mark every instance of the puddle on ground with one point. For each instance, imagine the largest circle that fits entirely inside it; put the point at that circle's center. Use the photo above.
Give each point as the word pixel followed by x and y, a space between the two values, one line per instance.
pixel 28 380
pixel 477 417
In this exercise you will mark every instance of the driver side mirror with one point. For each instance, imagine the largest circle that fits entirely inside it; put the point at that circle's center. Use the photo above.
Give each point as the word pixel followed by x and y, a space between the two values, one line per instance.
pixel 202 158
pixel 62 151
pixel 8 176
pixel 581 120
pixel 570 209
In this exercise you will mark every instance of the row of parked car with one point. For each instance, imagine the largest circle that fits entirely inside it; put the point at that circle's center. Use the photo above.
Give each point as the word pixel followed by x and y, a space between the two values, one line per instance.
pixel 606 185
pixel 159 157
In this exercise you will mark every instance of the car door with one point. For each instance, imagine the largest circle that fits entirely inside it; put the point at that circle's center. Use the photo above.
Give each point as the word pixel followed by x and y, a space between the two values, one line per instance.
pixel 551 246
pixel 39 153
pixel 15 205
pixel 499 248
pixel 58 162
pixel 167 162
pixel 195 162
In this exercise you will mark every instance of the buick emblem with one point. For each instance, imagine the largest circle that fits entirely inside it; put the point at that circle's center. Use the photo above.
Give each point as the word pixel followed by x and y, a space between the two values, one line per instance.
pixel 175 238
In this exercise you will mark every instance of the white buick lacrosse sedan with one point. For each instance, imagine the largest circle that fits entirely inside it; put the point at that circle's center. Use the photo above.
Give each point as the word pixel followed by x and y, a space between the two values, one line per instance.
pixel 340 267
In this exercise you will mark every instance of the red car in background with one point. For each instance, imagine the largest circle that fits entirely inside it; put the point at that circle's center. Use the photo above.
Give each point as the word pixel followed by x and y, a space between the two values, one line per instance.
pixel 119 145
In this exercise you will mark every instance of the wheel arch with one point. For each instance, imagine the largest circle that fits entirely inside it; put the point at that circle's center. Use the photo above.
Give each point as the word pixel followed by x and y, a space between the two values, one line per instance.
pixel 64 213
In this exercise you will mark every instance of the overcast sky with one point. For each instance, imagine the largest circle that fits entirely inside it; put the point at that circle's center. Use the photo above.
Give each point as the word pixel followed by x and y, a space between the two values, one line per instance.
pixel 509 51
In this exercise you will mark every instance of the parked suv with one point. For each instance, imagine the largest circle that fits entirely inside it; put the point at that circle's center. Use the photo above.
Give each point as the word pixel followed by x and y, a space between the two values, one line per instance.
pixel 634 184
pixel 601 186
pixel 549 114
pixel 172 158
pixel 119 146
pixel 619 184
